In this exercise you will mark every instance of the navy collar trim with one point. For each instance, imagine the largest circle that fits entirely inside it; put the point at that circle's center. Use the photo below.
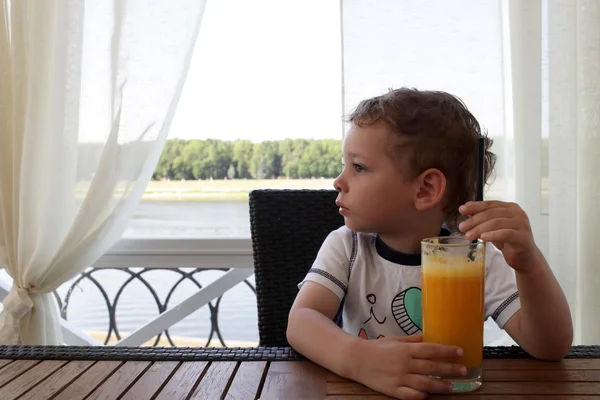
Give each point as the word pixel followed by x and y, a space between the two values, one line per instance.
pixel 397 257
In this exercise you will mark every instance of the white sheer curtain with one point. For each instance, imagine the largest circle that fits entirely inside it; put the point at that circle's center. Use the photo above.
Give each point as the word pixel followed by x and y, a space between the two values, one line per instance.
pixel 555 68
pixel 87 95
pixel 574 132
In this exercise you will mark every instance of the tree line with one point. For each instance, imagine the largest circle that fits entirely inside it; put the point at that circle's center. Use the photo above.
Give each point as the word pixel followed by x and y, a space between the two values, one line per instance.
pixel 243 159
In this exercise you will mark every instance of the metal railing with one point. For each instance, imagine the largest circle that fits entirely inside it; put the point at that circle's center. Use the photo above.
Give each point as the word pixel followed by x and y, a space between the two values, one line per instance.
pixel 163 303
pixel 186 260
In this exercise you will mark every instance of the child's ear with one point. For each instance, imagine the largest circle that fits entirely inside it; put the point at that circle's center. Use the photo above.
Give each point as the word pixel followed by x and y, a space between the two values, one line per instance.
pixel 430 190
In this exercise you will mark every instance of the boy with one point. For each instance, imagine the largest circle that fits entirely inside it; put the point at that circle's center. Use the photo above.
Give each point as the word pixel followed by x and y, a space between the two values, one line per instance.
pixel 409 173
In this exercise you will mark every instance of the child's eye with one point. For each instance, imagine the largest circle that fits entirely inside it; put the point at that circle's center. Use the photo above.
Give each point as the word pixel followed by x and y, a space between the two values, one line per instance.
pixel 358 168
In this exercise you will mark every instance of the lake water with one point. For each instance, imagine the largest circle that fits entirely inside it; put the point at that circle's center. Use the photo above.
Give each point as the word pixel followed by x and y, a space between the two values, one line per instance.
pixel 189 219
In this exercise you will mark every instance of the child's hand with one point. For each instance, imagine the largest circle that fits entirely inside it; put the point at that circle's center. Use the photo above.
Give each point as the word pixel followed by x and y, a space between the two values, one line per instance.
pixel 399 367
pixel 506 225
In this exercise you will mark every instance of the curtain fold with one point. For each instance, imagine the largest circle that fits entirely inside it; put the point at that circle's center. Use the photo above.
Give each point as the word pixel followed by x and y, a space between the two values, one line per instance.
pixel 574 149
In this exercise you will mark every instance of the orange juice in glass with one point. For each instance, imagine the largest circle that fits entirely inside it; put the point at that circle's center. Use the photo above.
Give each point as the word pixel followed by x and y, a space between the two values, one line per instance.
pixel 453 283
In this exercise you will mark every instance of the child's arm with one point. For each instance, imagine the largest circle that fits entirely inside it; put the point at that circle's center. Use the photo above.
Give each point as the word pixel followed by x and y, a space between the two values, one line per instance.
pixel 397 367
pixel 543 325
pixel 312 332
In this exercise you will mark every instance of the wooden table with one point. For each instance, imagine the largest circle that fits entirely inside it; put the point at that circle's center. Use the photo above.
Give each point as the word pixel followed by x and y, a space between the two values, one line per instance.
pixel 71 380
pixel 510 379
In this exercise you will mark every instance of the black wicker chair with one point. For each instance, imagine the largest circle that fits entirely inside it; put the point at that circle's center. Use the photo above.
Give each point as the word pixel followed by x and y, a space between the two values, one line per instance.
pixel 288 228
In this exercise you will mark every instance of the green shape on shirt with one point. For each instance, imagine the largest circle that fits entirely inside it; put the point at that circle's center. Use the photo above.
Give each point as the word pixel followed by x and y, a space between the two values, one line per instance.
pixel 406 308
pixel 412 304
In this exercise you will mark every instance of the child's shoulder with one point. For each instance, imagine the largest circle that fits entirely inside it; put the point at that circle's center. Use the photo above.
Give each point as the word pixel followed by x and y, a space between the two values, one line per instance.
pixel 347 235
pixel 343 236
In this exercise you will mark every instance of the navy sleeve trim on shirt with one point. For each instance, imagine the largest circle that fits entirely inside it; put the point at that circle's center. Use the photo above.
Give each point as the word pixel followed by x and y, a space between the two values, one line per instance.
pixel 353 255
pixel 504 305
pixel 330 277
pixel 335 280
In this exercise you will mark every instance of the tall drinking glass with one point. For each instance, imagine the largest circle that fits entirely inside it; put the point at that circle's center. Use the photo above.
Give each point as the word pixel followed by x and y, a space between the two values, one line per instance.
pixel 453 301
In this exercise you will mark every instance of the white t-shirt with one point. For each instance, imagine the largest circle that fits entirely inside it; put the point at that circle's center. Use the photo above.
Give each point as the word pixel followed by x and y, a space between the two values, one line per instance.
pixel 383 295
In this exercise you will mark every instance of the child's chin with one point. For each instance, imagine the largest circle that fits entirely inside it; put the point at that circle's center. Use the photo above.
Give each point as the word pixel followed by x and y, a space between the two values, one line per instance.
pixel 353 226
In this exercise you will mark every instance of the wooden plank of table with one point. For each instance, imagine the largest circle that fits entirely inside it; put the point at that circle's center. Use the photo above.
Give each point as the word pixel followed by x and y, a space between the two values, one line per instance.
pixel 29 379
pixel 3 363
pixel 247 380
pixel 184 381
pixel 120 381
pixel 348 388
pixel 367 397
pixel 58 380
pixel 497 388
pixel 548 388
pixel 568 371
pixel 524 364
pixel 523 375
pixel 152 380
pixel 331 377
pixel 536 375
pixel 506 379
pixel 475 396
pixel 16 368
pixel 215 381
pixel 468 396
pixel 294 380
pixel 571 363
pixel 89 380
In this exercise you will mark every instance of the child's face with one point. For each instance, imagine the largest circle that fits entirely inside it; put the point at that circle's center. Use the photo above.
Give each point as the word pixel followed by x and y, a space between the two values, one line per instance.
pixel 374 194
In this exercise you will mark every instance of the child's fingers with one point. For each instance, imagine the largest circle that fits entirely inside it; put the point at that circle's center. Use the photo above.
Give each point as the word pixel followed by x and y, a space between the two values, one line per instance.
pixel 437 368
pixel 428 385
pixel 474 207
pixel 428 351
pixel 490 226
pixel 405 392
pixel 484 216
pixel 408 339
pixel 501 235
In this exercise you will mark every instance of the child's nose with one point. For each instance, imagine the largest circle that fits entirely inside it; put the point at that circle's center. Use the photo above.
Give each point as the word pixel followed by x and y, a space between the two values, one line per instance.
pixel 338 184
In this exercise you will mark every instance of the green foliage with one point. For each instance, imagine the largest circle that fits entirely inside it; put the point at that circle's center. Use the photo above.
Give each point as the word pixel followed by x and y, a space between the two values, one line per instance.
pixel 242 159
pixel 242 156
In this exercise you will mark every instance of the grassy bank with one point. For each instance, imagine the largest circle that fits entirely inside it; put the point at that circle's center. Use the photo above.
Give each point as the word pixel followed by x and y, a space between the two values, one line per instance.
pixel 229 190
pixel 238 189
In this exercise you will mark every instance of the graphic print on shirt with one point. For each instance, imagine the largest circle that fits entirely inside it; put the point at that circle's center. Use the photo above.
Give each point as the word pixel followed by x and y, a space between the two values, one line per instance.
pixel 407 311
pixel 363 335
pixel 372 299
